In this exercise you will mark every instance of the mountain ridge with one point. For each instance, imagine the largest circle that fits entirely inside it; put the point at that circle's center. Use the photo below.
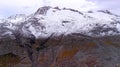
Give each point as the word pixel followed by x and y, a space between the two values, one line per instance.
pixel 47 20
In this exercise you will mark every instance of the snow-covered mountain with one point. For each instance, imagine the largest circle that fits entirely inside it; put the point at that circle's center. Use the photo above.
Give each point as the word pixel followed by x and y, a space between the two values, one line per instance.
pixel 47 20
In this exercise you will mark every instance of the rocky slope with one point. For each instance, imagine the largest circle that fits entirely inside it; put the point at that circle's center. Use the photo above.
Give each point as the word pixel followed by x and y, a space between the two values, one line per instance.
pixel 79 39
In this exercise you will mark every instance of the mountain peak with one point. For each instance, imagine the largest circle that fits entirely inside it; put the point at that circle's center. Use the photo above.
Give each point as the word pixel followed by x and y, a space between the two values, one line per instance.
pixel 42 10
pixel 47 20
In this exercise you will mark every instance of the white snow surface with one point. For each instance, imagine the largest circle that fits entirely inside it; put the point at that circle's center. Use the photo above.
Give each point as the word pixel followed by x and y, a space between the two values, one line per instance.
pixel 62 21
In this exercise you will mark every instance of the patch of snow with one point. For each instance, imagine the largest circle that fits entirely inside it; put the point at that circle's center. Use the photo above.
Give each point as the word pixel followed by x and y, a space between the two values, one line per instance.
pixel 118 27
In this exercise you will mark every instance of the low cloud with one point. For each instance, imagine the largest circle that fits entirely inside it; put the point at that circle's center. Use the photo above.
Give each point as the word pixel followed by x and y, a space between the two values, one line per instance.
pixel 81 5
pixel 112 5
pixel 12 7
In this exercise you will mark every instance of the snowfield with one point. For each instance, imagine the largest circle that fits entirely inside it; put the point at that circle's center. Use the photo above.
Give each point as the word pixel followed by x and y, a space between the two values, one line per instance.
pixel 47 20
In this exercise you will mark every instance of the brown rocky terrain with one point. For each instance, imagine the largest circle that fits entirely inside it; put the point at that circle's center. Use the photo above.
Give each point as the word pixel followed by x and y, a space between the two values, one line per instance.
pixel 68 51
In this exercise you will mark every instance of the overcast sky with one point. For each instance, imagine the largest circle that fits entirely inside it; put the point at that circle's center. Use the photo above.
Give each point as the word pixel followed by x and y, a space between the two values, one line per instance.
pixel 12 7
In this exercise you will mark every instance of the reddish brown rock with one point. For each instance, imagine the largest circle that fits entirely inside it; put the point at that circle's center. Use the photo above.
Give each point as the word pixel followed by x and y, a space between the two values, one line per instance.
pixel 73 52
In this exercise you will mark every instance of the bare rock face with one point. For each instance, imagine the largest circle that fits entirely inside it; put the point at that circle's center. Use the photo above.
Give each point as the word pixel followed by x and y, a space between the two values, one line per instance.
pixel 81 52
pixel 43 10
pixel 71 51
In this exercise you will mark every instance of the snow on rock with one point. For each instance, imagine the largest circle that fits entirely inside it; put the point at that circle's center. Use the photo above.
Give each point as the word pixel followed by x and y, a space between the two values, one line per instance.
pixel 16 19
pixel 48 20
